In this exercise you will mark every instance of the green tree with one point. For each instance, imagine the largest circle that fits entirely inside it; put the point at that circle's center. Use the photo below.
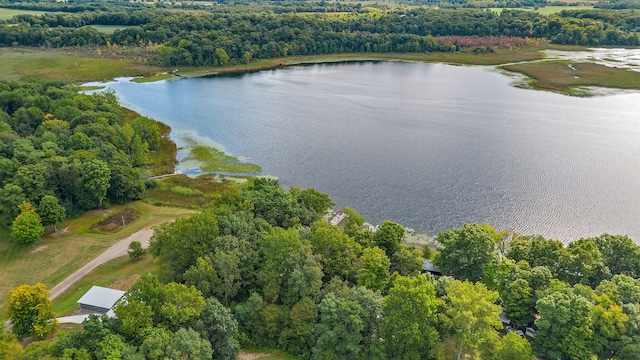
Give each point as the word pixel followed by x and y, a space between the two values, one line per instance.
pixel 467 251
pixel 217 325
pixel 512 347
pixel 338 333
pixel 203 276
pixel 30 311
pixel 10 197
pixel 31 178
pixel 135 250
pixel 609 326
pixel 338 252
pixel 181 305
pixel 389 237
pixel 50 211
pixel 135 318
pixel 312 204
pixel 536 250
pixel 27 227
pixel 582 263
pixel 9 346
pixel 187 344
pixel 374 269
pixel 271 202
pixel 410 318
pixel 564 326
pixel 250 326
pixel 518 302
pixel 620 254
pixel 302 277
pixel 94 180
pixel 226 265
pixel 276 246
pixel 407 261
pixel 353 223
pixel 298 331
pixel 156 344
pixel 472 316
pixel 112 347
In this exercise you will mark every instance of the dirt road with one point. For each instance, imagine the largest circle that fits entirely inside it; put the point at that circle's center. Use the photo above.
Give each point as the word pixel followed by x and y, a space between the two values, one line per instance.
pixel 115 251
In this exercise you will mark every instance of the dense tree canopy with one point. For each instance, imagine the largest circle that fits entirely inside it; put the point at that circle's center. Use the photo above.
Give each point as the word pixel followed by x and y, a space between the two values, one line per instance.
pixel 229 36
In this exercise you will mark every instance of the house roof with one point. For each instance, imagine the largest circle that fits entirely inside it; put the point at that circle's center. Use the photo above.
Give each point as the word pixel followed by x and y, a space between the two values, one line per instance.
pixel 101 297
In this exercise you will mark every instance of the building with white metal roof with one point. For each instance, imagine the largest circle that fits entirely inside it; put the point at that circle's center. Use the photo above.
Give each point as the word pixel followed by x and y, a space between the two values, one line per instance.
pixel 100 299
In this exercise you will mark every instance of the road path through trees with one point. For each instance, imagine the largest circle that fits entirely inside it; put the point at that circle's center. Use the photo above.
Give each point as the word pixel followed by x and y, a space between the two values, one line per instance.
pixel 115 251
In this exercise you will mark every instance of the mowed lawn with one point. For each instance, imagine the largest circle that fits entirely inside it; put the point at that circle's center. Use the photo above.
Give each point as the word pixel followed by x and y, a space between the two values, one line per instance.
pixel 21 64
pixel 58 255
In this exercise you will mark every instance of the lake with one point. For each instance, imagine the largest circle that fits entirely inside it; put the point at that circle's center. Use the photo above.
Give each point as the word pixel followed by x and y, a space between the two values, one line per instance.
pixel 430 146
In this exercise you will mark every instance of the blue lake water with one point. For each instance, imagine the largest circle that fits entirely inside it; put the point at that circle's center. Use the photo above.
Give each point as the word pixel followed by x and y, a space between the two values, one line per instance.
pixel 430 146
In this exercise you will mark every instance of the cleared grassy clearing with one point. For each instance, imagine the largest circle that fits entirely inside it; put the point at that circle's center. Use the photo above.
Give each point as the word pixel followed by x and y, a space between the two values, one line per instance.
pixel 118 274
pixel 20 64
pixel 59 254
pixel 565 77
pixel 109 29
pixel 6 14
pixel 547 10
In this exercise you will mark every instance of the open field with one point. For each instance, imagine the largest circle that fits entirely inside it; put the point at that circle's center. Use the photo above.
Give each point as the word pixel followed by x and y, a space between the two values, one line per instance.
pixel 20 64
pixel 109 29
pixel 117 274
pixel 565 76
pixel 547 10
pixel 6 14
pixel 57 255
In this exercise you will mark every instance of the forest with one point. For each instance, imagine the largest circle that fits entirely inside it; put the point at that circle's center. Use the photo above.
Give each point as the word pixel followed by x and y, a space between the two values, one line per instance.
pixel 261 269
pixel 228 35
pixel 63 152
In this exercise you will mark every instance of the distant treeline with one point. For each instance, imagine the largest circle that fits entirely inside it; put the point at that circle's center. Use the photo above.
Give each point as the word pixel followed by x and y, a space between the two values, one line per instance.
pixel 228 37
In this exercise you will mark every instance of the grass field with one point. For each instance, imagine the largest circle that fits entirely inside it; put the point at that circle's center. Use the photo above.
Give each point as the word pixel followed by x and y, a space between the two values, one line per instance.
pixel 6 14
pixel 566 77
pixel 117 274
pixel 547 10
pixel 109 29
pixel 20 64
pixel 57 255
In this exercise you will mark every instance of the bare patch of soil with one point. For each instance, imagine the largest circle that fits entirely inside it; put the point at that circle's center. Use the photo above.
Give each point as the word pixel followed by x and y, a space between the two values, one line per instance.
pixel 114 222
